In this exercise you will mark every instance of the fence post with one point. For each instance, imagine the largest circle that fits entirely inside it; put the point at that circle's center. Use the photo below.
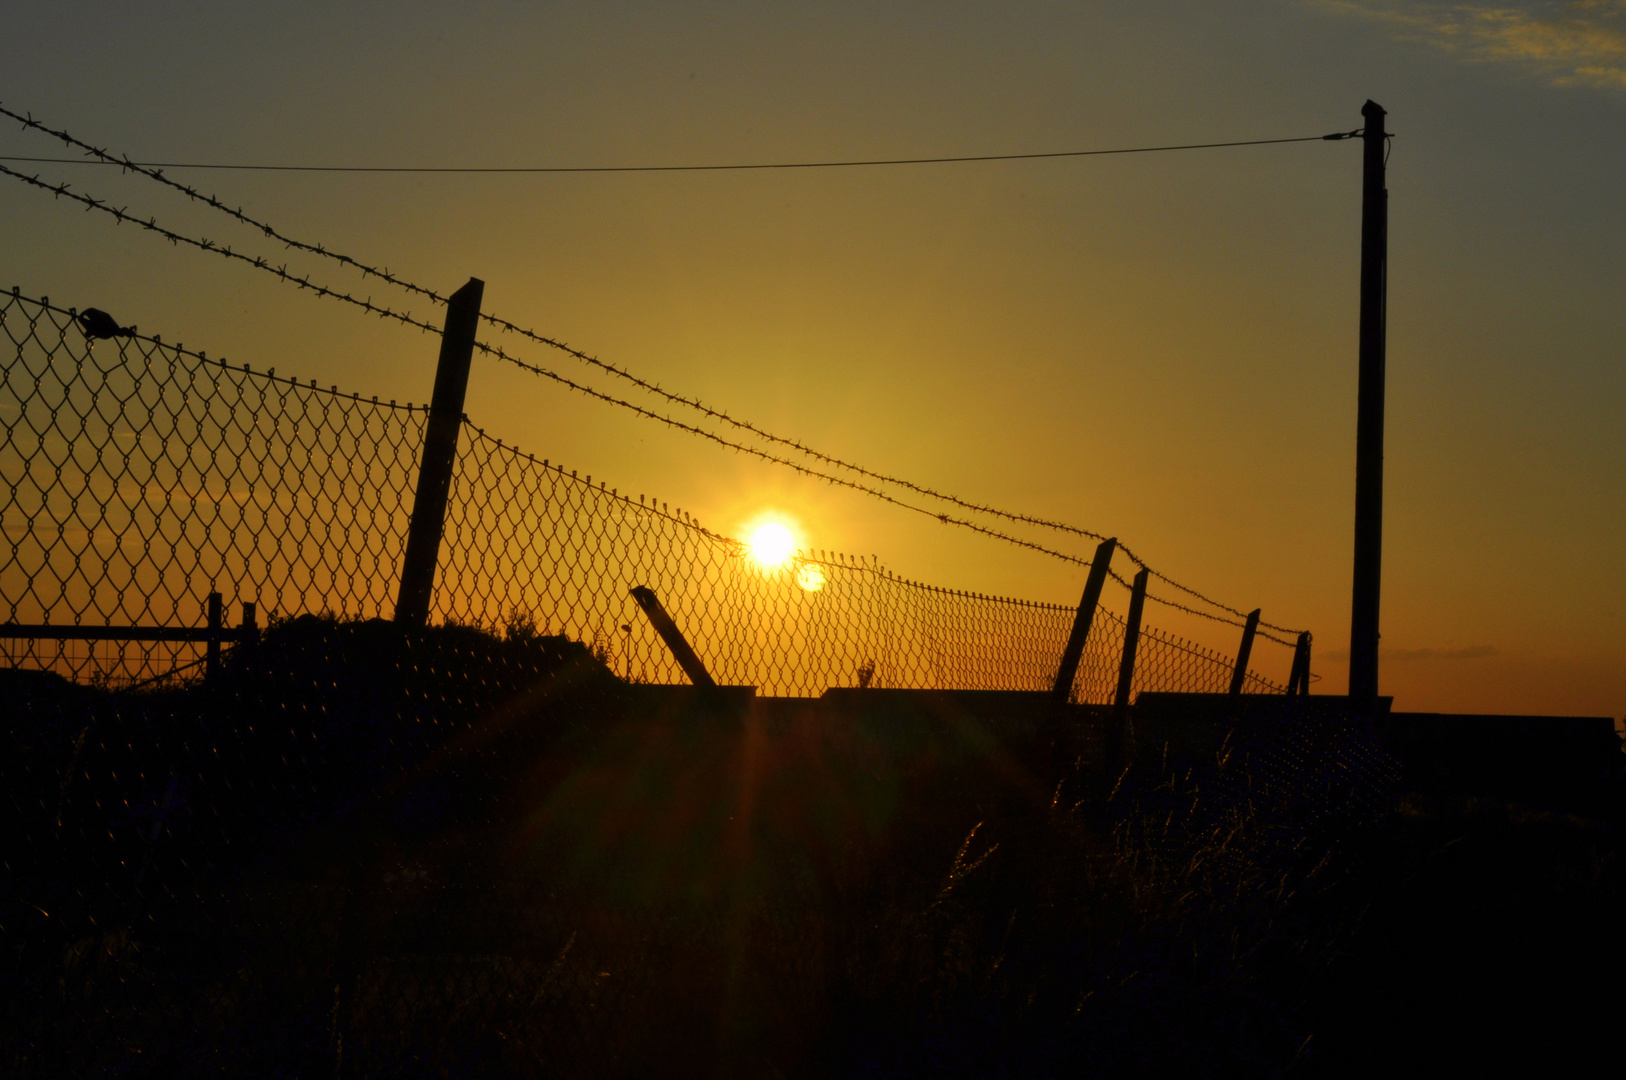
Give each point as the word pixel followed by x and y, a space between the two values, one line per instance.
pixel 211 651
pixel 1126 668
pixel 1298 682
pixel 1240 674
pixel 1070 656
pixel 1118 734
pixel 439 455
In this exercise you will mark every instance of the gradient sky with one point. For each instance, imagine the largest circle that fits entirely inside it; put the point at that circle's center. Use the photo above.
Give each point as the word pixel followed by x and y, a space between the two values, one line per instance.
pixel 1159 347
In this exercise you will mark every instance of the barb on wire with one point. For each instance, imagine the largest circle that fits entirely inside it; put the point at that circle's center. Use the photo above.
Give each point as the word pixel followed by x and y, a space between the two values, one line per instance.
pixel 122 214
pixel 695 404
pixel 214 203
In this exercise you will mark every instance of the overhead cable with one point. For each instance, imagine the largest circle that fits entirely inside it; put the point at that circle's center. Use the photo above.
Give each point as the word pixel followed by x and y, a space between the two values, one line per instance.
pixel 853 163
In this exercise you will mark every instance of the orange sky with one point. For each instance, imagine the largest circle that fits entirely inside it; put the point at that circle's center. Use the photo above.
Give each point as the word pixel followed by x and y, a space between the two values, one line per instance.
pixel 1160 347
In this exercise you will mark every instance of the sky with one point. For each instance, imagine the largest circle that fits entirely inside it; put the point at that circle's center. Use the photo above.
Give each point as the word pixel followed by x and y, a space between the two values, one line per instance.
pixel 1158 347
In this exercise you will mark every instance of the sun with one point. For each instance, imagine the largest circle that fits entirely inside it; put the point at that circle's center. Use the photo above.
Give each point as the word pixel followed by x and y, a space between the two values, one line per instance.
pixel 771 544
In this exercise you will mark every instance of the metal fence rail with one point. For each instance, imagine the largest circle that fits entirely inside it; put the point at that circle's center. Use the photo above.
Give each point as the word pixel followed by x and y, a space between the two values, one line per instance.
pixel 138 476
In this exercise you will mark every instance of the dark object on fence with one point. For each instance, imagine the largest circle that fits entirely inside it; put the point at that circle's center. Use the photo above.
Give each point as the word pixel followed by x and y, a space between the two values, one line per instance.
pixel 667 629
pixel 211 663
pixel 1363 631
pixel 97 323
pixel 439 455
pixel 1298 680
pixel 1063 686
pixel 1239 674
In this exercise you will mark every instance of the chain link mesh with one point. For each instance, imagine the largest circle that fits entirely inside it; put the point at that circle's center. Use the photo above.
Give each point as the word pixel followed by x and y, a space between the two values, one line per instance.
pixel 139 476
pixel 365 850
pixel 530 540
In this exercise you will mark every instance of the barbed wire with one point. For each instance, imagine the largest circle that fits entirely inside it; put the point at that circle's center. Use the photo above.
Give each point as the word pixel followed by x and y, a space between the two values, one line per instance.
pixel 179 469
pixel 695 404
pixel 122 214
pixel 744 425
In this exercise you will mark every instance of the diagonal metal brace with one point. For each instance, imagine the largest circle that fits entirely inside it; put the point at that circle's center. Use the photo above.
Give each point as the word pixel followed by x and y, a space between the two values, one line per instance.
pixel 675 641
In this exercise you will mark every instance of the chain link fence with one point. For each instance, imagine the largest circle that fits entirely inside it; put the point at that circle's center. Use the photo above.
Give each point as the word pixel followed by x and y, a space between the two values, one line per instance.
pixel 138 476
pixel 364 850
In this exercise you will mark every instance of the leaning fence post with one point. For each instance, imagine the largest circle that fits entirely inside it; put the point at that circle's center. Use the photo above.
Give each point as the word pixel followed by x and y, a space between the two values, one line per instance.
pixel 1240 674
pixel 1070 656
pixel 211 651
pixel 439 455
pixel 1126 668
pixel 682 652
pixel 1117 735
pixel 1298 681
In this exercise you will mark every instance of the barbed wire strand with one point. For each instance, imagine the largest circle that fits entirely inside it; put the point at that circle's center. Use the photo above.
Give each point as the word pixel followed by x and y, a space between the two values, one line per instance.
pixel 504 324
pixel 178 349
pixel 121 215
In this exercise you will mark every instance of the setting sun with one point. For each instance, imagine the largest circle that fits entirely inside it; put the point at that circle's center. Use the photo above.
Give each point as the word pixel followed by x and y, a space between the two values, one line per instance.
pixel 771 544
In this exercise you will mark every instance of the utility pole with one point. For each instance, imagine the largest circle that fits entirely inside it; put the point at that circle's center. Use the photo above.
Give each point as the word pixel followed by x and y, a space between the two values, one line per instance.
pixel 1363 623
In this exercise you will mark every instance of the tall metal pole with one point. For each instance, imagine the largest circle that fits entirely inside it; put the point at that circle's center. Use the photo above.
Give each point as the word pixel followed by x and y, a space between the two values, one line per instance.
pixel 439 454
pixel 1363 623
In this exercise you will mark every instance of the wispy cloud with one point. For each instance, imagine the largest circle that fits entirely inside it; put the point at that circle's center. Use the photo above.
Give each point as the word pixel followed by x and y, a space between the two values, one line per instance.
pixel 1469 652
pixel 1573 42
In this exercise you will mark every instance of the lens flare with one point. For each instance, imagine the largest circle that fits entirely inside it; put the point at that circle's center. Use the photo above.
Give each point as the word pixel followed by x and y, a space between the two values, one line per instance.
pixel 772 544
pixel 810 576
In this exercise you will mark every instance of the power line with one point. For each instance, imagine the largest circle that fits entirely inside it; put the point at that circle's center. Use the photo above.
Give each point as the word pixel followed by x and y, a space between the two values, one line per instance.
pixel 121 215
pixel 733 167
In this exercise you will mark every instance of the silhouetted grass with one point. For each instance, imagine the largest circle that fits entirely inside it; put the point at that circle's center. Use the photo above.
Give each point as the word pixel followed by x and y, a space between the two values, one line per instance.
pixel 453 853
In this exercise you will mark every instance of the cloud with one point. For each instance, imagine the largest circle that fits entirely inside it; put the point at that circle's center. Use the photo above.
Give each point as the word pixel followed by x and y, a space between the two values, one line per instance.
pixel 1575 42
pixel 1469 652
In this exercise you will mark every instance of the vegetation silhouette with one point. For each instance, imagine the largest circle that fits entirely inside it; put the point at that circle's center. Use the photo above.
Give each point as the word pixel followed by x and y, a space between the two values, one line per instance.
pixel 453 851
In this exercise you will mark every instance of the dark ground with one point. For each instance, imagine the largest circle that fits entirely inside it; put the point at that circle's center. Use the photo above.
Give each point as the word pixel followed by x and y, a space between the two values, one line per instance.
pixel 361 852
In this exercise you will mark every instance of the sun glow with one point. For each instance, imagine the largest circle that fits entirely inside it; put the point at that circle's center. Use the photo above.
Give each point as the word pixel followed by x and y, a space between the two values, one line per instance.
pixel 771 544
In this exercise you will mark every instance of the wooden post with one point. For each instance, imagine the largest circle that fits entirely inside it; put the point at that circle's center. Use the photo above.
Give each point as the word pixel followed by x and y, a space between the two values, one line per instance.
pixel 251 630
pixel 1239 674
pixel 1126 668
pixel 1363 623
pixel 1063 686
pixel 675 641
pixel 1298 682
pixel 211 650
pixel 439 455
